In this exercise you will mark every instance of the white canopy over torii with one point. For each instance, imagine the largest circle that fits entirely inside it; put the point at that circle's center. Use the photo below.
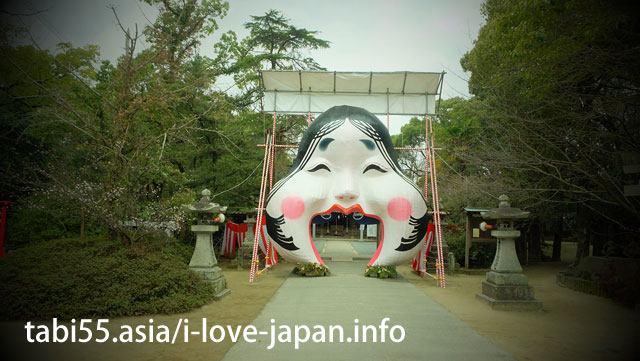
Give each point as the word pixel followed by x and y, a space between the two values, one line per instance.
pixel 393 93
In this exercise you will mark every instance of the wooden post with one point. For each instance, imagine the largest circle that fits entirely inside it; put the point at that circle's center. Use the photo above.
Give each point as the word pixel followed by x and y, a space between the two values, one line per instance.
pixel 467 243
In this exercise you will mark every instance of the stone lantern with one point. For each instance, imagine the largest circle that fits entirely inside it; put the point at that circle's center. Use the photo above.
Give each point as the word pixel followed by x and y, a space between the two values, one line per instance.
pixel 245 251
pixel 204 260
pixel 506 287
pixel 251 224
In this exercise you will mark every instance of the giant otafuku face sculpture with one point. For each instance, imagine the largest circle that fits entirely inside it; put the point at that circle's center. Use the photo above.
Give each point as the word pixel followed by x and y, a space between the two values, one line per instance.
pixel 346 163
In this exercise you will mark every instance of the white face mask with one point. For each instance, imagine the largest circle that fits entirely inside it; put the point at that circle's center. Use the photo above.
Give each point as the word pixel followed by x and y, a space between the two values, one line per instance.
pixel 347 169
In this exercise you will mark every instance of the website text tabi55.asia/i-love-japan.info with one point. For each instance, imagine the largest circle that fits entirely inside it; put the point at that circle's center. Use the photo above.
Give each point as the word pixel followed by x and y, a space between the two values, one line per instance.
pixel 88 330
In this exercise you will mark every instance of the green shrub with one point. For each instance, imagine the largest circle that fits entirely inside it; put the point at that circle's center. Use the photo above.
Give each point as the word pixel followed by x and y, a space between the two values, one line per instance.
pixel 99 277
pixel 311 269
pixel 381 271
pixel 480 254
pixel 456 242
pixel 28 224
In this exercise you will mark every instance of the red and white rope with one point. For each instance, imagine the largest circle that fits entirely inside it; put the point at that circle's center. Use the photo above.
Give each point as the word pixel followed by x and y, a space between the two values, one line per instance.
pixel 427 160
pixel 258 229
pixel 267 254
pixel 436 210
pixel 273 150
pixel 271 257
pixel 279 146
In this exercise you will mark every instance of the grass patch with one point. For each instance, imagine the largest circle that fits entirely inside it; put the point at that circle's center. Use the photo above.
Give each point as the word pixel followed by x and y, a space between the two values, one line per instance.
pixel 95 276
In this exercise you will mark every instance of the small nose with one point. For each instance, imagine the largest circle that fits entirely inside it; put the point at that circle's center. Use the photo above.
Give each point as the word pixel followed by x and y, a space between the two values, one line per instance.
pixel 347 196
pixel 346 190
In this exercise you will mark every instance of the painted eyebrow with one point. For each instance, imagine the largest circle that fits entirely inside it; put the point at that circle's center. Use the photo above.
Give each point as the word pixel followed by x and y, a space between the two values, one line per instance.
pixel 374 167
pixel 325 143
pixel 367 143
pixel 318 167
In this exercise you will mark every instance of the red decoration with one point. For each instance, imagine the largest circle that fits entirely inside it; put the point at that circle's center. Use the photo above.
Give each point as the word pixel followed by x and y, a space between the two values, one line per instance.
pixel 419 263
pixel 5 206
pixel 234 236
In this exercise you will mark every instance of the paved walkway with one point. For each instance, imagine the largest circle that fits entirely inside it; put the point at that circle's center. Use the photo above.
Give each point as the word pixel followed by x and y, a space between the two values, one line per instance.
pixel 345 250
pixel 431 332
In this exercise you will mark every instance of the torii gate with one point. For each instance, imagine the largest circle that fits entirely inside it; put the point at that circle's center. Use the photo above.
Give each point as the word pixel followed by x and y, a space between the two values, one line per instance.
pixel 381 93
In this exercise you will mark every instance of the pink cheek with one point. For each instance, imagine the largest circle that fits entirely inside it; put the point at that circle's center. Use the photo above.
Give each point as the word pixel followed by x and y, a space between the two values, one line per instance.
pixel 292 207
pixel 399 208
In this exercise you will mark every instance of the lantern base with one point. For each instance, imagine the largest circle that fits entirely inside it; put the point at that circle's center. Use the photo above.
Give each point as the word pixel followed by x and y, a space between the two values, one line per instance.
pixel 507 279
pixel 213 275
pixel 509 296
pixel 511 305
pixel 244 255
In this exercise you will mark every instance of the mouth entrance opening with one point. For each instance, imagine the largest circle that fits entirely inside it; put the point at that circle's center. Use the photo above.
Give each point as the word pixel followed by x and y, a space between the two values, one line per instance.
pixel 345 237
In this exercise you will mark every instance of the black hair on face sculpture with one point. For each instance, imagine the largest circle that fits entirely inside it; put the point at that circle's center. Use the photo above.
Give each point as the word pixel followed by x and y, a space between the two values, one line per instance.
pixel 343 112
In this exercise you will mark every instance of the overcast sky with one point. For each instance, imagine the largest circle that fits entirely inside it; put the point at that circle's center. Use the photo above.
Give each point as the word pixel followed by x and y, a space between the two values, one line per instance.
pixel 373 35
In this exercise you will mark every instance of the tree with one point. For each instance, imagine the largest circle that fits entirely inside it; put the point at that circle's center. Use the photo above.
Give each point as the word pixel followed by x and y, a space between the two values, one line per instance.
pixel 455 130
pixel 32 140
pixel 125 144
pixel 117 132
pixel 558 85
pixel 273 43
pixel 280 44
pixel 460 183
pixel 180 25
pixel 411 136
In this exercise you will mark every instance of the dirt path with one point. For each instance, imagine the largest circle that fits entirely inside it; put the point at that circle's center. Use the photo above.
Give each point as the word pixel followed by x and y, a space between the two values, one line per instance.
pixel 571 326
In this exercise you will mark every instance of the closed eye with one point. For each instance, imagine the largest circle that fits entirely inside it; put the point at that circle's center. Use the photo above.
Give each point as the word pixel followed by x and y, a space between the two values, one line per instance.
pixel 374 167
pixel 318 167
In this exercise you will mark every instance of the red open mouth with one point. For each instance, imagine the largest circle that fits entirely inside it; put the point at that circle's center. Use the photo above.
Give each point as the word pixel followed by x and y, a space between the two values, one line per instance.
pixel 356 208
